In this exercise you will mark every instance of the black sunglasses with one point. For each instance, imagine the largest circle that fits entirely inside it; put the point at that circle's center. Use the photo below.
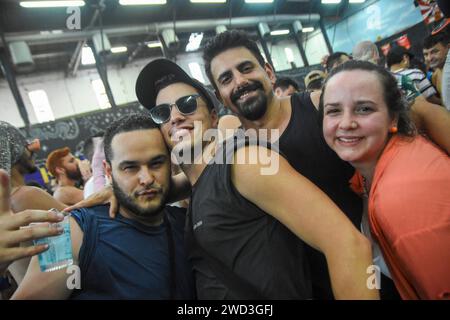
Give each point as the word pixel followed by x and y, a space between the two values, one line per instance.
pixel 186 105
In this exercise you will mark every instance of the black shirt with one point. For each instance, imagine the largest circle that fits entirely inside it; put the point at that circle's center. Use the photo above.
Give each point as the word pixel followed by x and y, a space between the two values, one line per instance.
pixel 304 147
pixel 246 241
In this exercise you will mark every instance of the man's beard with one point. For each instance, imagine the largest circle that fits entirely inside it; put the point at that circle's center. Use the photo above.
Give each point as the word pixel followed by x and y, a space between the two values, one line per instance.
pixel 74 175
pixel 130 203
pixel 26 164
pixel 253 108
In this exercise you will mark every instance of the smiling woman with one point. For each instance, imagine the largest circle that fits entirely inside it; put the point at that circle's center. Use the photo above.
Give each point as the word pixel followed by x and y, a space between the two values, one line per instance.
pixel 404 178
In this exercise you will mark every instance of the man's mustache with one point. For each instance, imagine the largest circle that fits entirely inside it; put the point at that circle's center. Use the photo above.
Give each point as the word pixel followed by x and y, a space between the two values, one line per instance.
pixel 250 87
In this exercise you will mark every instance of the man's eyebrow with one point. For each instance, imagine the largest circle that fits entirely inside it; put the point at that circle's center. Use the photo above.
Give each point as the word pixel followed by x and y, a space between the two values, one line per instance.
pixel 161 157
pixel 128 163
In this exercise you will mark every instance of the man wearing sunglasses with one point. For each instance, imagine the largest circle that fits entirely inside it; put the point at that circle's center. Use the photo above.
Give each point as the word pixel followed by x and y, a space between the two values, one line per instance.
pixel 17 159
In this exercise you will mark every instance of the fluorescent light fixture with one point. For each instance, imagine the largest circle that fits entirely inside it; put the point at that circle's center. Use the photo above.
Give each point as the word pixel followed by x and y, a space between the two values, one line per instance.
pixel 357 1
pixel 194 41
pixel 208 1
pixel 87 56
pixel 141 2
pixel 308 29
pixel 258 1
pixel 196 71
pixel 119 49
pixel 154 44
pixel 279 32
pixel 49 4
pixel 289 54
pixel 331 1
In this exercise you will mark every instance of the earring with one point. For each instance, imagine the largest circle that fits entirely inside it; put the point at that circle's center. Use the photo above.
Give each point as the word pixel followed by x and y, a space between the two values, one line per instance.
pixel 393 130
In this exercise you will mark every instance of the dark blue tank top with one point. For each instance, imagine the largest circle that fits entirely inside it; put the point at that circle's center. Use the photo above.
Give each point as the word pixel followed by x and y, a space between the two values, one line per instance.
pixel 123 259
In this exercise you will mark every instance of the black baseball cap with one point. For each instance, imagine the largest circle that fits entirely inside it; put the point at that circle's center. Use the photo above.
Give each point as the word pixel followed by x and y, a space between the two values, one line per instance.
pixel 146 90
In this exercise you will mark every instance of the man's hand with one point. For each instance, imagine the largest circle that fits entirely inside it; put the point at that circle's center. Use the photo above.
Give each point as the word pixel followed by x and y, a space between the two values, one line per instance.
pixel 11 234
pixel 101 197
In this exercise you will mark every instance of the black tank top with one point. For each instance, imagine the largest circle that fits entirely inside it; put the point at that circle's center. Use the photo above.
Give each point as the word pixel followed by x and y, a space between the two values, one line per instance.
pixel 252 245
pixel 303 145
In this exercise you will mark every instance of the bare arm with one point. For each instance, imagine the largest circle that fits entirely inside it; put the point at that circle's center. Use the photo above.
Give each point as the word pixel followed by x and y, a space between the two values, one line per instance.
pixel 433 120
pixel 34 198
pixel 69 195
pixel 49 285
pixel 313 217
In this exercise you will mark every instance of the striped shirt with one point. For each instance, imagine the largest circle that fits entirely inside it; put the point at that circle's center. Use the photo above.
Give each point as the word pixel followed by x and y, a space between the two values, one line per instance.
pixel 419 79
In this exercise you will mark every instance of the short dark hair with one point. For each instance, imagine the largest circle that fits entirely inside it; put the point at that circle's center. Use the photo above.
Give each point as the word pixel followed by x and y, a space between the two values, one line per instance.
pixel 228 40
pixel 432 40
pixel 132 122
pixel 285 82
pixel 333 58
pixel 393 97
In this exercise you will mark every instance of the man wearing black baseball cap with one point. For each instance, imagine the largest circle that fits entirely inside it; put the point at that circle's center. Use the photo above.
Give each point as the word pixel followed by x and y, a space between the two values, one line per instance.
pixel 399 62
pixel 161 72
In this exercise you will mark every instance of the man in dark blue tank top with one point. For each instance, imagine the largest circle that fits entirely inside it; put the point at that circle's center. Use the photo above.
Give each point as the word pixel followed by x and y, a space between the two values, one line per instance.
pixel 138 255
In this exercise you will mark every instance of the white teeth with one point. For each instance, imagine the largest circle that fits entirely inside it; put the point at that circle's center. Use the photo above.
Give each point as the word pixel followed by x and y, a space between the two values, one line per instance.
pixel 349 139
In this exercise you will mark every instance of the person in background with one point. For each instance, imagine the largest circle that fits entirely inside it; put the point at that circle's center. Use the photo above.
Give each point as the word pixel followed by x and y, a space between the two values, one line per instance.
pixel 94 153
pixel 403 178
pixel 398 61
pixel 17 159
pixel 66 169
pixel 366 51
pixel 314 80
pixel 336 59
pixel 285 87
pixel 435 50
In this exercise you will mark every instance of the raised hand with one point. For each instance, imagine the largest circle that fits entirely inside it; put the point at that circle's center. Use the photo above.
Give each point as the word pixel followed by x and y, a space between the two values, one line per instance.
pixel 11 233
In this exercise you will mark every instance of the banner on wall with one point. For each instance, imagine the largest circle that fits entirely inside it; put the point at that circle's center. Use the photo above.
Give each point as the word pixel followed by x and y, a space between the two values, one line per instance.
pixel 430 11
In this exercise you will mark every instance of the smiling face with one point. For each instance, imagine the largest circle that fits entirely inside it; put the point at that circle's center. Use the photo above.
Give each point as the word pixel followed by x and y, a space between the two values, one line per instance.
pixel 140 172
pixel 179 130
pixel 356 120
pixel 243 84
pixel 435 56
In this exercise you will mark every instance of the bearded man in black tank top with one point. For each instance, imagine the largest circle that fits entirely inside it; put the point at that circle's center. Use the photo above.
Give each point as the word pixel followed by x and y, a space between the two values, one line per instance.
pixel 246 235
pixel 243 81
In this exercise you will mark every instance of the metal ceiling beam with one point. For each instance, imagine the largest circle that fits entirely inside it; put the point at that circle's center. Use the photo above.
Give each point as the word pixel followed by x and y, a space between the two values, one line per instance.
pixel 182 25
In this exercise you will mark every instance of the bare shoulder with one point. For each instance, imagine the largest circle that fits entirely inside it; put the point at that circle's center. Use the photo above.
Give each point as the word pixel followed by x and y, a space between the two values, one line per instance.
pixel 68 195
pixel 28 197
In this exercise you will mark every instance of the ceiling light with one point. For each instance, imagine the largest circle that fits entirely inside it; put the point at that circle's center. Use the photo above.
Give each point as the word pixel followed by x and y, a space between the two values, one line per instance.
pixel 308 29
pixel 49 4
pixel 258 1
pixel 208 1
pixel 331 1
pixel 154 44
pixel 194 41
pixel 357 1
pixel 119 49
pixel 141 2
pixel 279 32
